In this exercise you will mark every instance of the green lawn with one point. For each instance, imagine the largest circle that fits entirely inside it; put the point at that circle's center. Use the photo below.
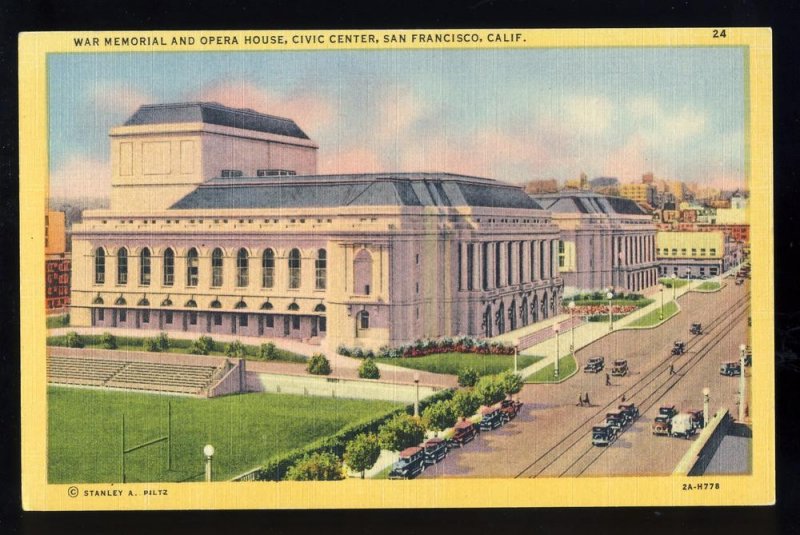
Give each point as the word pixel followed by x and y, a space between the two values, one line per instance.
pixel 383 474
pixel 653 317
pixel 56 322
pixel 708 286
pixel 667 282
pixel 129 343
pixel 566 367
pixel 84 427
pixel 451 363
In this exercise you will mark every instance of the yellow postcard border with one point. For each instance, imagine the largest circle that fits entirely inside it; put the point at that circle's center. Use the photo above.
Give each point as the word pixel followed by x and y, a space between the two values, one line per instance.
pixel 755 489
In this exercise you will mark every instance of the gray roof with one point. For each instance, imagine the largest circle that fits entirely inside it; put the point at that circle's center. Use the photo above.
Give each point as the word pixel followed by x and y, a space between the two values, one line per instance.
pixel 603 181
pixel 214 113
pixel 588 203
pixel 328 191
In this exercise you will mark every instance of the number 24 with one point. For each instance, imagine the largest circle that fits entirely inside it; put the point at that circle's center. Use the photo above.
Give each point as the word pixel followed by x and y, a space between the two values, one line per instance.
pixel 719 33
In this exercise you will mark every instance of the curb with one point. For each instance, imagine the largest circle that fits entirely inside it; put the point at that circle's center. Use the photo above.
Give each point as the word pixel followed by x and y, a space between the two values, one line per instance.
pixel 561 380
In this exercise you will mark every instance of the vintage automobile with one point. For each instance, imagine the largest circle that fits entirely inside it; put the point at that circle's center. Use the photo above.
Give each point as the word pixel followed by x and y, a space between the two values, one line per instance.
pixel 617 420
pixel 410 464
pixel 630 411
pixel 595 365
pixel 464 432
pixel 619 368
pixel 682 426
pixel 603 434
pixel 679 348
pixel 661 425
pixel 748 356
pixel 697 418
pixel 731 369
pixel 697 328
pixel 667 410
pixel 435 449
pixel 739 281
pixel 510 408
pixel 492 418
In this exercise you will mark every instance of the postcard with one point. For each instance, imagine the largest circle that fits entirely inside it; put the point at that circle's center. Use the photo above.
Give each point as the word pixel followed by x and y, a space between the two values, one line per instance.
pixel 382 269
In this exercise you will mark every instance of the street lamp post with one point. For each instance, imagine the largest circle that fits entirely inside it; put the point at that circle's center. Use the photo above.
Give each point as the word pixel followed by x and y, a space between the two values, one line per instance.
pixel 516 350
pixel 688 275
pixel 706 392
pixel 557 329
pixel 742 384
pixel 208 451
pixel 661 312
pixel 673 280
pixel 610 296
pixel 572 328
pixel 416 398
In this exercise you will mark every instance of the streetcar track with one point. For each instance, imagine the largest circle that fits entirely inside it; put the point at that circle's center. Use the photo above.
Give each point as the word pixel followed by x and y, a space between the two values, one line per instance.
pixel 632 391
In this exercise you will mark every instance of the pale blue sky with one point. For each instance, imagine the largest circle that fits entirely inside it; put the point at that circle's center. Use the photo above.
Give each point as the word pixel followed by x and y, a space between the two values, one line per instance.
pixel 514 115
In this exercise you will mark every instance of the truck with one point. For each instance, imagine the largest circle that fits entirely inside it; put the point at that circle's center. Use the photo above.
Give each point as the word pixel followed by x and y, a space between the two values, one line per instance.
pixel 683 425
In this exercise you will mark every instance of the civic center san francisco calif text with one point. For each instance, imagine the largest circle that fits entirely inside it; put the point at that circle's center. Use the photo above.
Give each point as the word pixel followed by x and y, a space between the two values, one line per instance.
pixel 218 223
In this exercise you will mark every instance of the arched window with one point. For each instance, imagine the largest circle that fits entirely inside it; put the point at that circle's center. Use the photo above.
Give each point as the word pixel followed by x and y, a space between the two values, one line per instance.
pixel 144 267
pixel 321 269
pixel 362 273
pixel 169 267
pixel 268 269
pixel 242 268
pixel 294 268
pixel 363 319
pixel 216 267
pixel 122 266
pixel 192 273
pixel 100 266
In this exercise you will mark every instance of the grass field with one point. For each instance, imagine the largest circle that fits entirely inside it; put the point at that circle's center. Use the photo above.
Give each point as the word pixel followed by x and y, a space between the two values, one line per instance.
pixel 84 427
pixel 58 321
pixel 566 367
pixel 708 286
pixel 667 282
pixel 451 363
pixel 654 316
pixel 176 345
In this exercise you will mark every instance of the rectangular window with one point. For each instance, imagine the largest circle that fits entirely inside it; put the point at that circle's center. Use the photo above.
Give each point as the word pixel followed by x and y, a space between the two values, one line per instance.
pixel 270 321
pixel 323 324
pixel 713 252
pixel 231 173
pixel 470 266
pixel 714 271
pixel 562 257
pixel 694 251
pixel 123 315
pixel 683 252
pixel 101 314
pixel 217 318
pixel 168 317
pixel 460 267
pixel 243 320
pixel 702 252
pixel 192 318
pixel 674 252
pixel 295 322
pixel 145 316
pixel 275 172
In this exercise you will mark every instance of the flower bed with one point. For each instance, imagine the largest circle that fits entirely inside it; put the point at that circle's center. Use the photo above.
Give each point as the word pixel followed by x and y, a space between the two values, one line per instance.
pixel 422 348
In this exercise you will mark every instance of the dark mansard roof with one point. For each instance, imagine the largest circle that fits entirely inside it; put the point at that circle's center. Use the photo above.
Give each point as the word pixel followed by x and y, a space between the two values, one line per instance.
pixel 378 189
pixel 588 203
pixel 214 113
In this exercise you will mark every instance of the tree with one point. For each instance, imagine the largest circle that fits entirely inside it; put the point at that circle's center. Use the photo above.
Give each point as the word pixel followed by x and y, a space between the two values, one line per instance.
pixel 318 365
pixel 163 342
pixel 151 344
pixel 401 432
pixel 490 390
pixel 316 467
pixel 362 453
pixel 369 370
pixel 439 416
pixel 202 346
pixel 512 383
pixel 108 341
pixel 235 349
pixel 467 376
pixel 74 340
pixel 465 403
pixel 267 351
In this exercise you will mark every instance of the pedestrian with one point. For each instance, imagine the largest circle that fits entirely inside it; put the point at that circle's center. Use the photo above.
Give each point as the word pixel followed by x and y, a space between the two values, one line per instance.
pixel 608 380
pixel 672 369
pixel 623 398
pixel 586 400
pixel 580 399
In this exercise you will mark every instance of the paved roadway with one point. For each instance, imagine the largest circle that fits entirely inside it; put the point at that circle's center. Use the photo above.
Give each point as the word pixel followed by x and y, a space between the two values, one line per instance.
pixel 551 437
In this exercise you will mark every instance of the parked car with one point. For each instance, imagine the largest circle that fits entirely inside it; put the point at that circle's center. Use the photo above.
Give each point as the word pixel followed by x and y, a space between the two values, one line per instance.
pixel 492 418
pixel 697 418
pixel 595 365
pixel 667 410
pixel 435 449
pixel 748 356
pixel 464 433
pixel 603 434
pixel 682 426
pixel 697 328
pixel 619 368
pixel 510 408
pixel 739 281
pixel 630 411
pixel 410 464
pixel 617 420
pixel 731 369
pixel 679 348
pixel 661 425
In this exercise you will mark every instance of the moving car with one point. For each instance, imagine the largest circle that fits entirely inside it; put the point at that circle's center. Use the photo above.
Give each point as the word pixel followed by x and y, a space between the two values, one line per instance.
pixel 410 464
pixel 620 368
pixel 435 449
pixel 697 328
pixel 510 408
pixel 595 365
pixel 603 434
pixel 492 418
pixel 679 348
pixel 731 369
pixel 630 411
pixel 617 420
pixel 464 432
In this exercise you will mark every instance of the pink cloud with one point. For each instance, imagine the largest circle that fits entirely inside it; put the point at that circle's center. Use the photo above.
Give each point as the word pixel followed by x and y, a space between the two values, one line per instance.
pixel 81 177
pixel 116 97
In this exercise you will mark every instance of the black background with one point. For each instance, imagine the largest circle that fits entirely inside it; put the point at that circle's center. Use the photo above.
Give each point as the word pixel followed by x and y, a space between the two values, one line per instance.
pixel 783 17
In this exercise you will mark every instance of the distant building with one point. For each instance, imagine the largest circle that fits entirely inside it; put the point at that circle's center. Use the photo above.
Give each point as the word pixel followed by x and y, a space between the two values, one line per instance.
pixel 647 178
pixel 605 241
pixel 697 254
pixel 58 262
pixel 643 194
pixel 541 186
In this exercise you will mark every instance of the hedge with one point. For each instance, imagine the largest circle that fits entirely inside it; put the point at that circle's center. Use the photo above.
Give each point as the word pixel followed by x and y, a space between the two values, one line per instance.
pixel 276 467
pixel 421 348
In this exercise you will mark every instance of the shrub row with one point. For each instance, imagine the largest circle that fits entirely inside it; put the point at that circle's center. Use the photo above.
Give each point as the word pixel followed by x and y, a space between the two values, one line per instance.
pixel 276 467
pixel 421 348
